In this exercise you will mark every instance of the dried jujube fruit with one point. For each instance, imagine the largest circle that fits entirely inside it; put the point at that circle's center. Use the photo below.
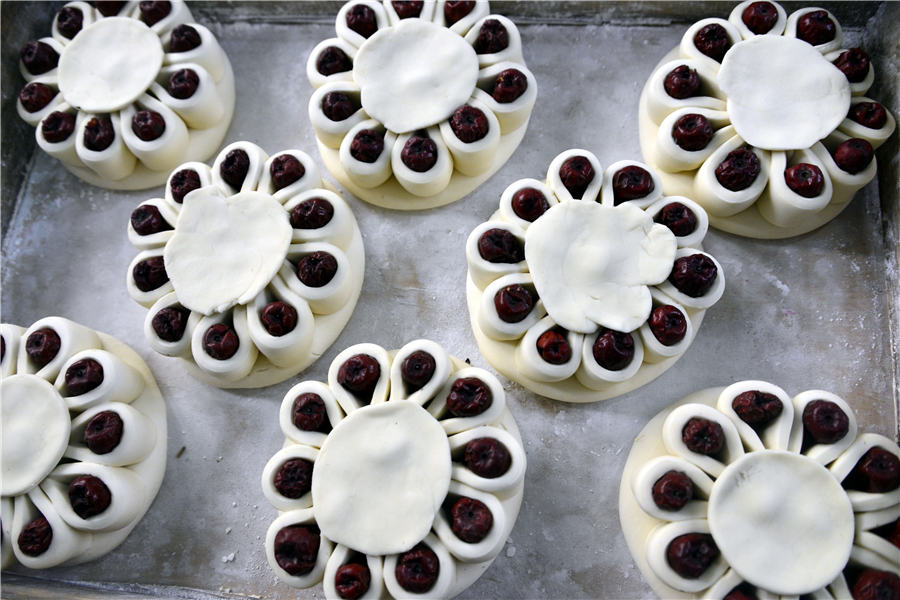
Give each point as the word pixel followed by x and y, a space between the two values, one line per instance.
pixel 877 472
pixel 39 57
pixel 867 114
pixel 713 41
pixel 499 245
pixel 89 496
pixel 680 219
pixel 682 82
pixel 529 204
pixel 367 145
pixel 673 490
pixel 418 569
pixel 361 19
pixel 235 167
pixel 756 408
pixel 760 17
pixel 513 303
pixel 57 126
pixel 170 323
pixel 182 183
pixel 613 350
pixel 576 174
pixel 352 580
pixel 805 179
pixel 853 155
pixel 296 548
pixel 631 183
pixel 333 60
pixel 183 84
pixel 693 275
pixel 103 432
pixel 417 369
pixel 739 170
pixel 148 125
pixel 154 11
pixel 492 37
pixel 469 124
pixel 471 520
pixel 874 584
pixel 419 153
pixel 317 269
pixel 278 318
pixel 285 170
pixel 468 397
pixel 184 38
pixel 147 220
pixel 313 213
pixel 509 86
pixel 816 28
pixel 99 134
pixel 82 376
pixel 221 341
pixel 690 554
pixel 692 132
pixel 408 9
pixel 293 478
pixel 35 538
pixel 42 346
pixel 69 21
pixel 667 324
pixel 35 96
pixel 703 436
pixel 824 422
pixel 338 106
pixel 553 346
pixel 109 8
pixel 359 375
pixel 150 274
pixel 308 412
pixel 454 10
pixel 487 457
pixel 854 64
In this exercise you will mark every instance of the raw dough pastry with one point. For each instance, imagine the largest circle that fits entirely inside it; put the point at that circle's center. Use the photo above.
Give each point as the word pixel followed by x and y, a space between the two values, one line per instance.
pixel 777 511
pixel 777 94
pixel 383 469
pixel 93 81
pixel 409 77
pixel 44 449
pixel 581 258
pixel 253 264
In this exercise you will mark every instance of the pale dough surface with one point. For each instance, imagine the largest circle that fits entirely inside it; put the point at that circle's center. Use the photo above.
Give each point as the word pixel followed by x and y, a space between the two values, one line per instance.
pixel 35 425
pixel 414 74
pixel 391 194
pixel 109 64
pixel 502 356
pixel 591 264
pixel 202 143
pixel 782 521
pixel 328 328
pixel 747 223
pixel 782 93
pixel 250 233
pixel 380 478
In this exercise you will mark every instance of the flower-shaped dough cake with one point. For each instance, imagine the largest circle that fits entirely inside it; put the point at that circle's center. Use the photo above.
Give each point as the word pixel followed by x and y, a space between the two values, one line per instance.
pixel 249 269
pixel 763 120
pixel 122 92
pixel 418 103
pixel 84 442
pixel 745 492
pixel 401 477
pixel 591 284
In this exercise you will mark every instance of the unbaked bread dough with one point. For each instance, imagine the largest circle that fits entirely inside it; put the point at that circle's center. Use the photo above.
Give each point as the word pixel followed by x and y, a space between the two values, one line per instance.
pixel 391 460
pixel 780 518
pixel 380 478
pixel 414 74
pixel 579 250
pixel 591 264
pixel 94 78
pixel 813 96
pixel 133 470
pixel 116 66
pixel 410 76
pixel 781 96
pixel 250 233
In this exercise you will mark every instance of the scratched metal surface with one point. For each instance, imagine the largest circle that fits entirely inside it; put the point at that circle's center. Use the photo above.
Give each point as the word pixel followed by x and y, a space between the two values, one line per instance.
pixel 814 312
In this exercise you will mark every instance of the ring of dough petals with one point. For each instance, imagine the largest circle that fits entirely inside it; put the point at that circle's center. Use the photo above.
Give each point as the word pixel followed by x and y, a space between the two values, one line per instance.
pixel 231 253
pixel 117 65
pixel 590 266
pixel 386 473
pixel 781 97
pixel 782 521
pixel 409 76
pixel 36 475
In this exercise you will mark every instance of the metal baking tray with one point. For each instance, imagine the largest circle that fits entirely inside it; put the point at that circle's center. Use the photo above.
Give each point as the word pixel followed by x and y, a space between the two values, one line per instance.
pixel 818 311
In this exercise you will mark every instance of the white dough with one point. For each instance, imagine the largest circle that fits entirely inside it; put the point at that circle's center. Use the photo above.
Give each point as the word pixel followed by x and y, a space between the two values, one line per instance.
pixel 250 233
pixel 592 264
pixel 414 74
pixel 109 64
pixel 35 428
pixel 380 477
pixel 782 93
pixel 782 521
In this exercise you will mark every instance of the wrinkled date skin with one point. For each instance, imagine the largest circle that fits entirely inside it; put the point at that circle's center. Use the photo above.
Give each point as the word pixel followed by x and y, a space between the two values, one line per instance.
pixel 359 375
pixel 221 341
pixel 170 323
pixel 313 213
pixel 89 496
pixel 35 537
pixel 418 570
pixel 352 580
pixel 294 478
pixel 690 554
pixel 825 422
pixel 500 246
pixel 182 183
pixel 673 491
pixel 613 350
pixel 703 436
pixel 487 457
pixel 553 346
pixel 42 346
pixel 471 520
pixel 417 370
pixel 296 548
pixel 285 170
pixel 103 432
pixel 83 376
pixel 308 413
pixel 469 396
pixel 756 408
pixel 513 303
pixel 682 82
pixel 576 174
